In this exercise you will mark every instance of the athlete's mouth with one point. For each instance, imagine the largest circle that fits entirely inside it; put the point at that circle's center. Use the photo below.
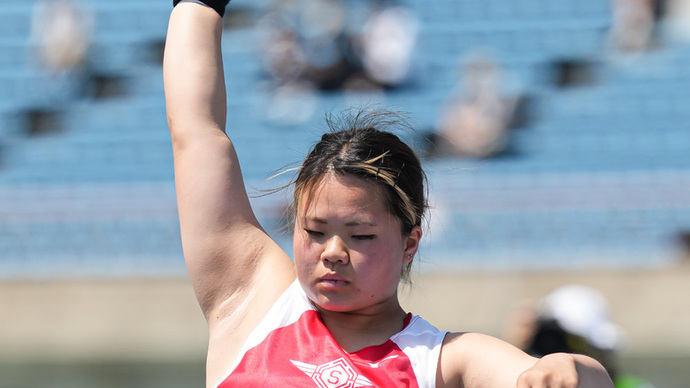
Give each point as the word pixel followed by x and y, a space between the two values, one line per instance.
pixel 333 279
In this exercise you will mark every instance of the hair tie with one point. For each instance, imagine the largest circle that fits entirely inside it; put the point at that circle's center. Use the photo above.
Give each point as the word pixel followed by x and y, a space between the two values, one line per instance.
pixel 395 182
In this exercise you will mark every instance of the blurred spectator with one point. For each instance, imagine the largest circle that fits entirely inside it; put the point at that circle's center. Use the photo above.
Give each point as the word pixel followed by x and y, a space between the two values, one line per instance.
pixel 632 26
pixel 283 58
pixel 387 42
pixel 333 47
pixel 574 319
pixel 306 41
pixel 677 19
pixel 304 48
pixel 61 32
pixel 474 122
pixel 286 64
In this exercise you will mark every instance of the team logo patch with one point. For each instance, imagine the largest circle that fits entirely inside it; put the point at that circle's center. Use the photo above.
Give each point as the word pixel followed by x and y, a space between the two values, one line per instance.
pixel 335 374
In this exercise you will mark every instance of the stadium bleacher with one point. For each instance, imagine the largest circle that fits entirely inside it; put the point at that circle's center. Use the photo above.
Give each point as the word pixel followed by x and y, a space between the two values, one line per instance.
pixel 599 175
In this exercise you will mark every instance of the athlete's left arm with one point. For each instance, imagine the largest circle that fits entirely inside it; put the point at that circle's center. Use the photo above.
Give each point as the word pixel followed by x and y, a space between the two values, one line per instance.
pixel 472 360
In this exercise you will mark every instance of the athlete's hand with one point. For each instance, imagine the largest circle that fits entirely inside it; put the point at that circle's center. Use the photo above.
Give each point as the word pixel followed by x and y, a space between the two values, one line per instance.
pixel 217 5
pixel 556 370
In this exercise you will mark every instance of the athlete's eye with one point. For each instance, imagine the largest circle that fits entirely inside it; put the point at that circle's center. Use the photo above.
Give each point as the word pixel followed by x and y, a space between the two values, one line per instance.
pixel 364 236
pixel 313 233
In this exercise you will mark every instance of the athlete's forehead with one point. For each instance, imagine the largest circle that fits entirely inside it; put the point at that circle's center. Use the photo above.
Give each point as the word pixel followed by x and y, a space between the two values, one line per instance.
pixel 352 201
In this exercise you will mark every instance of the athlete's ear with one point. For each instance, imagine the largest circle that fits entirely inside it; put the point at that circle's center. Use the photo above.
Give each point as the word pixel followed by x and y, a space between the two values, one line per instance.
pixel 412 244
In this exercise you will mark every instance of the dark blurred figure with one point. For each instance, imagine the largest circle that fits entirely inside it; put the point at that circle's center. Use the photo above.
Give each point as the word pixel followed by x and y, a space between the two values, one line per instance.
pixel 61 33
pixel 307 42
pixel 676 15
pixel 573 319
pixel 304 48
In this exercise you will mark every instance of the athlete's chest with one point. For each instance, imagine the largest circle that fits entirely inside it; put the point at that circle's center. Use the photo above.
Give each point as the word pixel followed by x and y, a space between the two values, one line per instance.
pixel 304 354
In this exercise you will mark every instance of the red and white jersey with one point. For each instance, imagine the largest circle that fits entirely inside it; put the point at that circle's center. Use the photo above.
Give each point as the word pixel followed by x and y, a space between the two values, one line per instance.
pixel 291 347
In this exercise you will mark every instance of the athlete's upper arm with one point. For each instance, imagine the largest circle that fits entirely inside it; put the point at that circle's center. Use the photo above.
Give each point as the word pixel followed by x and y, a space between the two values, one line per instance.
pixel 223 244
pixel 471 360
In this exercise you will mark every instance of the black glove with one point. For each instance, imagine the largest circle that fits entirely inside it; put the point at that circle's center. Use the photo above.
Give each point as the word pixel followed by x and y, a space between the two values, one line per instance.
pixel 217 5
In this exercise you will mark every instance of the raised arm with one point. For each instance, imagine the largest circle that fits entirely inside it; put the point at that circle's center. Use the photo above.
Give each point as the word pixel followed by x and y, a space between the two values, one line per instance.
pixel 227 253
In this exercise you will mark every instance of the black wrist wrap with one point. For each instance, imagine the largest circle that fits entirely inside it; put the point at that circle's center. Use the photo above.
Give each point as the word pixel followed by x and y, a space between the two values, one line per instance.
pixel 217 5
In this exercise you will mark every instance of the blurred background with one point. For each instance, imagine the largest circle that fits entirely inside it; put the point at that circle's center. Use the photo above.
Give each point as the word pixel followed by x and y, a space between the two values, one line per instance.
pixel 555 135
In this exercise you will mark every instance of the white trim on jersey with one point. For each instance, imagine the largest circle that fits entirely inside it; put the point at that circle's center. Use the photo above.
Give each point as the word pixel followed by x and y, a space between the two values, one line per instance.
pixel 285 311
pixel 419 340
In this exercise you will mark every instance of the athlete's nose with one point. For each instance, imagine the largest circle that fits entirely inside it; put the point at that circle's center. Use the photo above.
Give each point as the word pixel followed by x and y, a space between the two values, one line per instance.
pixel 335 251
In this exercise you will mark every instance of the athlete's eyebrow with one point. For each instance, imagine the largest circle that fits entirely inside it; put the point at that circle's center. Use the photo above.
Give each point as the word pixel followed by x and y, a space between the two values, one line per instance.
pixel 359 222
pixel 354 222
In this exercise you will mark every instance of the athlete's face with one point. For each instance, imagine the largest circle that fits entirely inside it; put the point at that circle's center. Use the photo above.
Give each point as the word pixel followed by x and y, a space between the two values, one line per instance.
pixel 348 249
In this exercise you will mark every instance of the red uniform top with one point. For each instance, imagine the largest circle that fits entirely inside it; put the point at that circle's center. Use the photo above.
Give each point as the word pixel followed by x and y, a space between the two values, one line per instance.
pixel 291 347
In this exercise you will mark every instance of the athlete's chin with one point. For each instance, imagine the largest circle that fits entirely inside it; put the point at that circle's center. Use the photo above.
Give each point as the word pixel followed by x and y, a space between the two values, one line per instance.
pixel 335 303
pixel 335 307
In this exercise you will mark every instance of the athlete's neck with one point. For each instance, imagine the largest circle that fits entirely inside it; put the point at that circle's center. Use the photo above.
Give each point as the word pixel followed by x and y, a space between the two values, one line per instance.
pixel 355 330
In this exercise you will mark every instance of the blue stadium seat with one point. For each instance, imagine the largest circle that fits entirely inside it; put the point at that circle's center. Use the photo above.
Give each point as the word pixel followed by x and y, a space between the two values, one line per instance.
pixel 628 123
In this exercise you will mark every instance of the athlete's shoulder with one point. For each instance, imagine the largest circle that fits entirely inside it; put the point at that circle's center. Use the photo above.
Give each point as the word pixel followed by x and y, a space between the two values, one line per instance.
pixel 419 328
